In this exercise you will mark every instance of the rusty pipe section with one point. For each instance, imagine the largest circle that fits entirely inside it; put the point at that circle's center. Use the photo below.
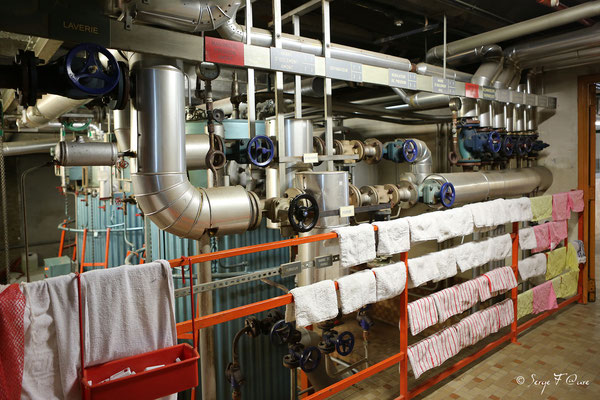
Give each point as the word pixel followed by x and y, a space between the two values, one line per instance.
pixel 160 182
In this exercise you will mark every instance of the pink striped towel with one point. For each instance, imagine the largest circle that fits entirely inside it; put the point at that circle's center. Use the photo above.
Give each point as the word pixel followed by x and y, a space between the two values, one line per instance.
pixel 544 298
pixel 468 295
pixel 432 351
pixel 472 329
pixel 501 279
pixel 542 237
pixel 447 302
pixel 576 200
pixel 422 314
pixel 560 206
pixel 558 232
pixel 483 287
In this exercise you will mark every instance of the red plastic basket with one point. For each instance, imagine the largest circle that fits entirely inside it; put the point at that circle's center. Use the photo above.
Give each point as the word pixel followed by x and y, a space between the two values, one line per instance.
pixel 174 376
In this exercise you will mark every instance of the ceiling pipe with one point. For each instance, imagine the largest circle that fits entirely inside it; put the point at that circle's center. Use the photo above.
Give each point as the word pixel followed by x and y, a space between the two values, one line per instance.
pixel 434 70
pixel 420 101
pixel 553 20
pixel 559 6
pixel 24 147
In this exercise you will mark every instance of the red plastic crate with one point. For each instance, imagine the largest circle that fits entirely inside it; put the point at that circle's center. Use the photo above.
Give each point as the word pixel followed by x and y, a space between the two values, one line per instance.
pixel 172 378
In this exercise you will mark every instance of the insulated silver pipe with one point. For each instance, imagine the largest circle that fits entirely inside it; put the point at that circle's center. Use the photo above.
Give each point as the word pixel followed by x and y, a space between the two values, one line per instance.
pixel 423 165
pixel 121 129
pixel 48 108
pixel 434 70
pixel 80 154
pixel 196 149
pixel 420 101
pixel 548 21
pixel 160 182
pixel 474 55
pixel 23 147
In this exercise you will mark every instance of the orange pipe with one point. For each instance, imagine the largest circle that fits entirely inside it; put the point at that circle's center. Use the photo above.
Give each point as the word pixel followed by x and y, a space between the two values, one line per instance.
pixel 82 261
pixel 404 335
pixel 62 239
pixel 515 291
pixel 106 248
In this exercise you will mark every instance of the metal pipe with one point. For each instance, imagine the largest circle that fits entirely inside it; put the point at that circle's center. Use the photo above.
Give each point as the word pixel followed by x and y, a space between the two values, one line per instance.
pixel 548 21
pixel 420 101
pixel 160 182
pixel 475 55
pixel 34 146
pixel 121 129
pixel 434 70
pixel 196 149
pixel 423 165
pixel 48 108
pixel 79 153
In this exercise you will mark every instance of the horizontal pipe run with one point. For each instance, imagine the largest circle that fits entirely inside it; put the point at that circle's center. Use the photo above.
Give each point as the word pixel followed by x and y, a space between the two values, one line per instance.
pixel 24 147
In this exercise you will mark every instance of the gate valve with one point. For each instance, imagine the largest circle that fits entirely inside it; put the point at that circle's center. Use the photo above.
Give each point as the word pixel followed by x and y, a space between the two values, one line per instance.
pixel 307 359
pixel 447 194
pixel 410 151
pixel 364 321
pixel 253 325
pixel 327 343
pixel 523 145
pixel 344 343
pixel 507 146
pixel 281 332
pixel 261 151
pixel 89 74
pixel 292 359
pixel 233 374
pixel 494 142
pixel 303 208
pixel 269 321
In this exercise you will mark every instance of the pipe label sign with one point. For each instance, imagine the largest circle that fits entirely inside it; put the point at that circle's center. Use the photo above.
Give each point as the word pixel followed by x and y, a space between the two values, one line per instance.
pixel 347 211
pixel 472 90
pixel 343 70
pixel 223 51
pixel 488 93
pixel 444 86
pixel 402 79
pixel 292 61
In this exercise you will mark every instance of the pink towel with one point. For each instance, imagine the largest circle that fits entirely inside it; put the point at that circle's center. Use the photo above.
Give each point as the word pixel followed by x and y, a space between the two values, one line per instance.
pixel 560 206
pixel 558 232
pixel 472 329
pixel 501 279
pixel 422 314
pixel 544 298
pixel 542 237
pixel 468 295
pixel 431 352
pixel 576 200
pixel 483 286
pixel 447 302
pixel 506 312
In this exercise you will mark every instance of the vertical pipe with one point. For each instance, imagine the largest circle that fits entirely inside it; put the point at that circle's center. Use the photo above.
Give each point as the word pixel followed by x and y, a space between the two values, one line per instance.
pixel 297 78
pixel 327 86
pixel 207 338
pixel 82 260
pixel 250 88
pixel 404 334
pixel 445 44
pixel 62 242
pixel 514 292
pixel 582 284
pixel 279 100
pixel 106 248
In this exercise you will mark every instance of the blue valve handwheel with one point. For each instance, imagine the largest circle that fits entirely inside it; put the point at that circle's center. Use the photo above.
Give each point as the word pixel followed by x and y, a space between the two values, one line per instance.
pixel 261 151
pixel 410 151
pixel 311 357
pixel 280 332
pixel 93 77
pixel 344 343
pixel 494 142
pixel 523 145
pixel 507 146
pixel 447 194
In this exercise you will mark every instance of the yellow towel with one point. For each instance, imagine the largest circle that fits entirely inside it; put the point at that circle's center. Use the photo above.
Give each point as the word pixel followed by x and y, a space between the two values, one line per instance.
pixel 568 285
pixel 572 262
pixel 524 304
pixel 556 283
pixel 541 207
pixel 557 260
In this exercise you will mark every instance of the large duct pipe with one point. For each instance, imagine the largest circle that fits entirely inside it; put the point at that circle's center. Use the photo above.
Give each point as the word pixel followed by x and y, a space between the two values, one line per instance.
pixel 48 108
pixel 434 70
pixel 471 187
pixel 423 165
pixel 160 183
pixel 475 55
pixel 23 147
pixel 563 17
pixel 122 132
pixel 422 101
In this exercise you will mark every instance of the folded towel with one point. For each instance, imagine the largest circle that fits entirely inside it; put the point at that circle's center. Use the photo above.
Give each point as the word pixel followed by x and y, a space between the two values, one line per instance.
pixel 532 266
pixel 146 302
pixel 482 214
pixel 424 269
pixel 390 280
pixel 447 303
pixel 542 237
pixel 315 303
pixel 541 207
pixel 357 290
pixel 524 304
pixel 431 352
pixel 472 254
pixel 560 206
pixel 393 236
pixel 580 246
pixel 12 332
pixel 446 264
pixel 424 226
pixel 453 223
pixel 499 247
pixel 468 295
pixel 544 298
pixel 357 244
pixel 568 285
pixel 483 286
pixel 501 279
pixel 576 200
pixel 557 260
pixel 558 232
pixel 519 209
pixel 527 239
pixel 572 262
pixel 422 314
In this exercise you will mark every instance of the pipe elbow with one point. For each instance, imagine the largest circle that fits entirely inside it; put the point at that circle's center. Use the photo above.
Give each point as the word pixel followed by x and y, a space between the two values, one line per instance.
pixel 231 30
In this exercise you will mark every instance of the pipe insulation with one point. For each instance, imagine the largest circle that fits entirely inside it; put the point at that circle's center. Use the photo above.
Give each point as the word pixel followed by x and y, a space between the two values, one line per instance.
pixel 24 147
pixel 48 108
pixel 160 182
pixel 422 167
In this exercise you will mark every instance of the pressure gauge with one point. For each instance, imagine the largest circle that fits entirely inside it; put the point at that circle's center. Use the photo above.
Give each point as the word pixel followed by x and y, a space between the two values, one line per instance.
pixel 208 71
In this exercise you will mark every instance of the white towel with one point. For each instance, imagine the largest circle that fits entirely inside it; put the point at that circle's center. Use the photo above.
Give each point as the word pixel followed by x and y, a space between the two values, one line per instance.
pixel 424 269
pixel 500 211
pixel 471 255
pixel 446 264
pixel 315 303
pixel 393 236
pixel 532 266
pixel 422 314
pixel 499 247
pixel 357 244
pixel 390 280
pixel 144 319
pixel 483 216
pixel 519 209
pixel 453 223
pixel 424 226
pixel 447 302
pixel 357 290
pixel 527 240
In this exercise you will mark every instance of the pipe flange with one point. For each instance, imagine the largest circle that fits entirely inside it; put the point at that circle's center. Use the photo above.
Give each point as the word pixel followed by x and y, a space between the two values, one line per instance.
pixel 393 194
pixel 371 192
pixel 378 146
pixel 338 147
pixel 318 145
pixel 256 216
pixel 409 194
pixel 354 197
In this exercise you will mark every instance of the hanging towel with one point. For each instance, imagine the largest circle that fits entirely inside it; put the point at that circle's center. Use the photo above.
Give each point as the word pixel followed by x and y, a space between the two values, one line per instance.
pixel 144 320
pixel 519 210
pixel 315 303
pixel 357 244
pixel 393 236
pixel 558 232
pixel 390 280
pixel 422 314
pixel 424 269
pixel 432 351
pixel 500 212
pixel 542 237
pixel 482 214
pixel 556 284
pixel 506 312
pixel 532 266
pixel 453 223
pixel 524 304
pixel 544 298
pixel 499 247
pixel 572 262
pixel 357 290
pixel 468 295
pixel 446 264
pixel 579 245
pixel 448 342
pixel 527 239
pixel 483 286
pixel 557 260
pixel 501 279
pixel 424 227
pixel 560 206
pixel 447 303
pixel 472 329
pixel 471 255
pixel 12 334
pixel 576 200
pixel 541 207
pixel 568 285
